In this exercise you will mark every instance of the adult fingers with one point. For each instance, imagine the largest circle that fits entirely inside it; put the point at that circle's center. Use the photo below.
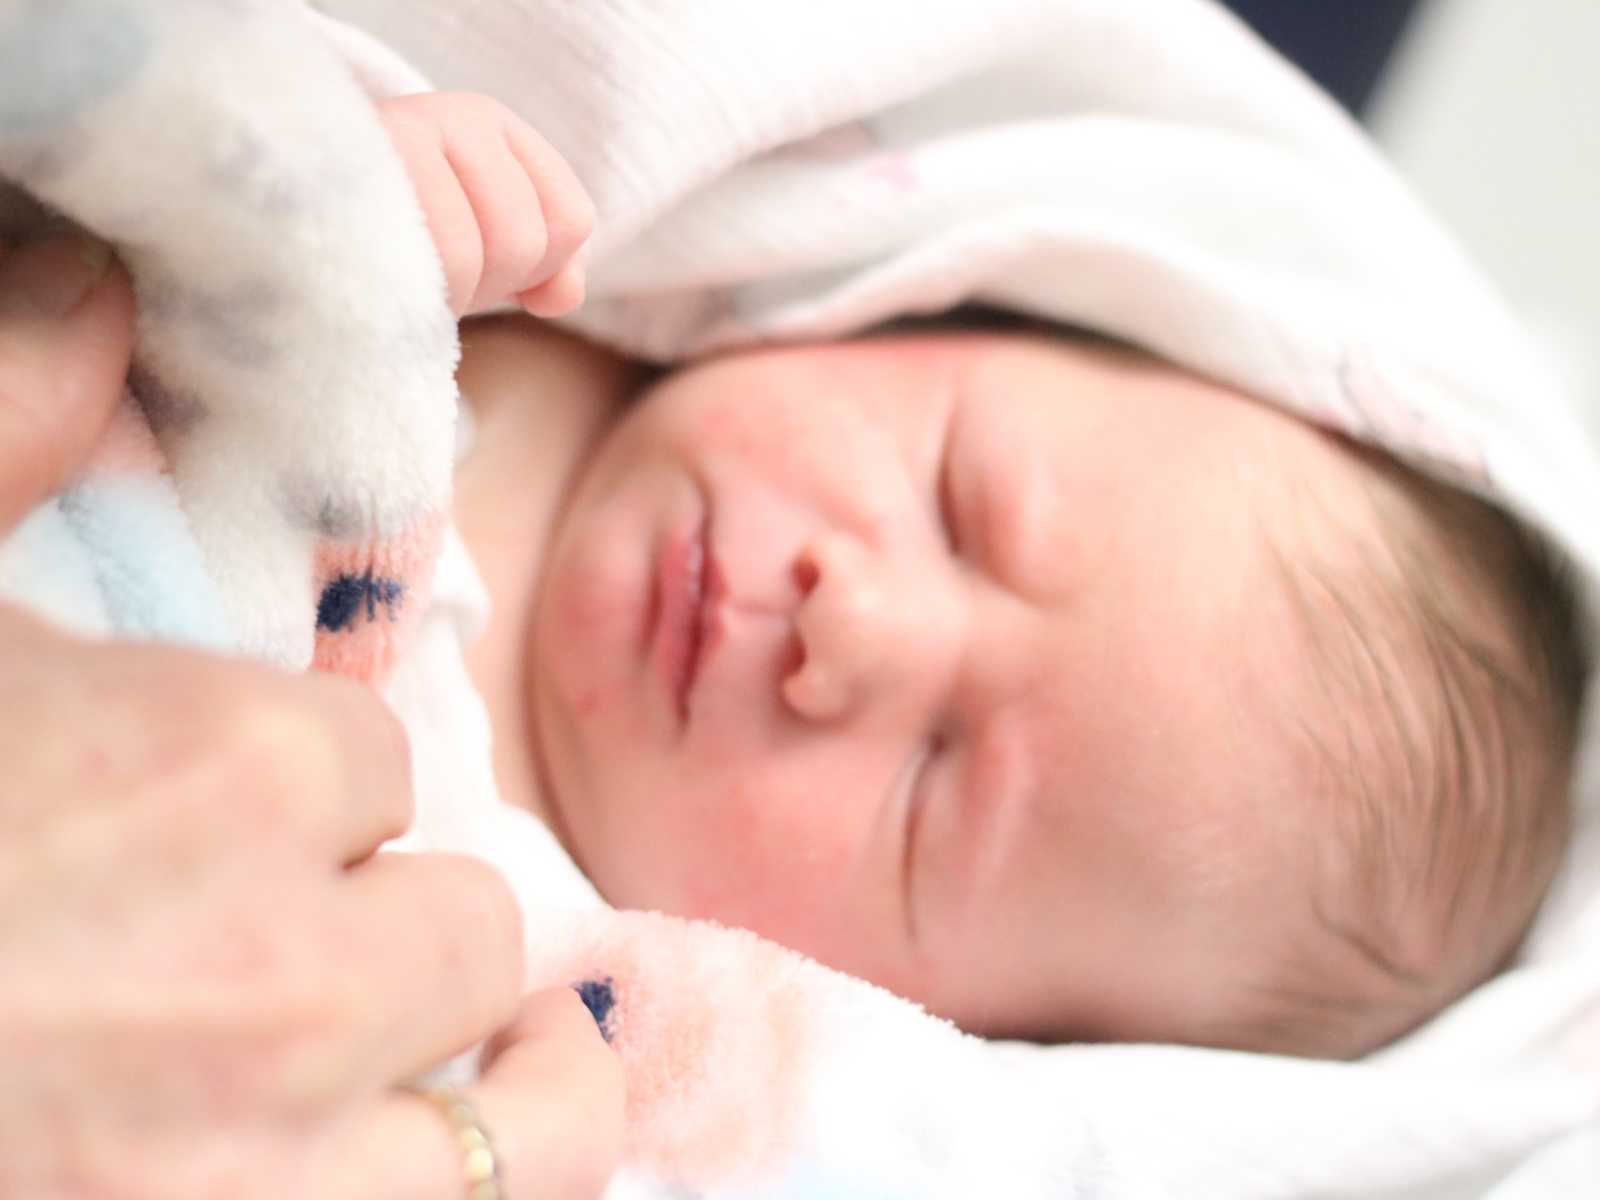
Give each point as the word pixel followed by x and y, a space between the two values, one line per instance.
pixel 66 332
pixel 378 799
pixel 554 1097
pixel 316 759
pixel 551 1104
pixel 315 763
pixel 443 930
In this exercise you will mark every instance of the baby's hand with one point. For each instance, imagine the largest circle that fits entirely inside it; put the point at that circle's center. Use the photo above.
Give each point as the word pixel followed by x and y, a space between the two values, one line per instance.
pixel 506 212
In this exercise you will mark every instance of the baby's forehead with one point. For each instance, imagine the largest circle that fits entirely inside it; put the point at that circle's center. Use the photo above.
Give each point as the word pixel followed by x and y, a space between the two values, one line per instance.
pixel 1077 402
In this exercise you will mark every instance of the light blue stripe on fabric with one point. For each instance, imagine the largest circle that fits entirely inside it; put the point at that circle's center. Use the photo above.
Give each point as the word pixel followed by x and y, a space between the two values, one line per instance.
pixel 813 1182
pixel 152 579
pixel 46 568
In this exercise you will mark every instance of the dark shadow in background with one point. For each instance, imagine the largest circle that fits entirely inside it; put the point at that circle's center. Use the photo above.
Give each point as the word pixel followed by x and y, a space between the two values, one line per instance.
pixel 1342 44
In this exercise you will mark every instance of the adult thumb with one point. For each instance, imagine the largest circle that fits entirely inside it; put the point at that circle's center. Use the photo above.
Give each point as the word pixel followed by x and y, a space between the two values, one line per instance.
pixel 66 332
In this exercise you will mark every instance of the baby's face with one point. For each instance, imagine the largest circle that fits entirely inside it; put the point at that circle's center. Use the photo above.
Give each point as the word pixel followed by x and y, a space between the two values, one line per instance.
pixel 950 660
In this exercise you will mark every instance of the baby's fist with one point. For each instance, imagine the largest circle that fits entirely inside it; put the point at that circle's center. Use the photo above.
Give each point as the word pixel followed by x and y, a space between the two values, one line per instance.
pixel 506 212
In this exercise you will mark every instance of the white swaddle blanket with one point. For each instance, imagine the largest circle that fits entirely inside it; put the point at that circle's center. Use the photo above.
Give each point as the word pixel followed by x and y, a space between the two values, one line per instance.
pixel 1151 171
pixel 1143 169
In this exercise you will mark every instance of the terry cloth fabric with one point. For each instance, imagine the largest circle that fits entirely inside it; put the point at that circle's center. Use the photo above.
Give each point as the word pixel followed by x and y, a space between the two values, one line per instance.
pixel 1153 172
pixel 295 350
pixel 1148 170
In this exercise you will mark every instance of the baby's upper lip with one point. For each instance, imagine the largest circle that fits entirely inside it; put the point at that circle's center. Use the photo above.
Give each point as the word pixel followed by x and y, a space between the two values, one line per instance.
pixel 688 589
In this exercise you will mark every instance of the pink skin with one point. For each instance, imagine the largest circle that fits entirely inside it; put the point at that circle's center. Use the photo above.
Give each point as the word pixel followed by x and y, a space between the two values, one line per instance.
pixel 506 213
pixel 948 660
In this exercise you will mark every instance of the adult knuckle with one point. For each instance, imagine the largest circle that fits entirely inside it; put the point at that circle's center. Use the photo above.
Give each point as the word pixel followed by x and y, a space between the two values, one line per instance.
pixel 356 723
pixel 480 899
pixel 501 914
pixel 277 760
pixel 483 892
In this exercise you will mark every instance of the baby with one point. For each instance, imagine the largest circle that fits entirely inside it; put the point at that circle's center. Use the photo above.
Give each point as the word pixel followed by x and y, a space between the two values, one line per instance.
pixel 1066 693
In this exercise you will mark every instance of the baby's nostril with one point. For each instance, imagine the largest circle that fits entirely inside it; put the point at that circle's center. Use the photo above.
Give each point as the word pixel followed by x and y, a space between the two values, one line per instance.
pixel 805 575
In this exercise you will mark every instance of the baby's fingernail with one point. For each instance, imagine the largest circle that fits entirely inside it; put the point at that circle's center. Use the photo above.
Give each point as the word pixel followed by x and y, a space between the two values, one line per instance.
pixel 49 278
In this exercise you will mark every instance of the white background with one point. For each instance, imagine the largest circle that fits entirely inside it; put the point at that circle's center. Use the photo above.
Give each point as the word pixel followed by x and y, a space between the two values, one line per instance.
pixel 1492 110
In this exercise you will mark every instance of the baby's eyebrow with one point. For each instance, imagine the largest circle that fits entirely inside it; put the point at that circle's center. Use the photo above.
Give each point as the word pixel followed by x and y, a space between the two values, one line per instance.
pixel 1023 539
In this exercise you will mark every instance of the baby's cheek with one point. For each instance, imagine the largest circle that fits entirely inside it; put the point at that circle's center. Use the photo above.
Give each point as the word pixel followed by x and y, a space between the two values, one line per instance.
pixel 771 860
pixel 814 447
pixel 724 841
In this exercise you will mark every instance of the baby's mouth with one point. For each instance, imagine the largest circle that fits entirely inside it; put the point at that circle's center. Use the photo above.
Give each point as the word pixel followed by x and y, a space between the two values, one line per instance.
pixel 689 586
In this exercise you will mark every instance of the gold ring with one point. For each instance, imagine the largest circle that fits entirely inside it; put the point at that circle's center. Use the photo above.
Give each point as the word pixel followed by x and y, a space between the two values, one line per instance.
pixel 480 1169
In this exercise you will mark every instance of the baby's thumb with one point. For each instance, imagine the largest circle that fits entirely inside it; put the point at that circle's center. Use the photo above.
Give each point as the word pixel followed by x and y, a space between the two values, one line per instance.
pixel 66 332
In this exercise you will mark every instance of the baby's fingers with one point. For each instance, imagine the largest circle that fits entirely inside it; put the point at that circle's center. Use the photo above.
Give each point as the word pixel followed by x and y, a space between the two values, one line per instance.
pixel 508 206
pixel 568 211
pixel 506 211
pixel 414 126
pixel 563 294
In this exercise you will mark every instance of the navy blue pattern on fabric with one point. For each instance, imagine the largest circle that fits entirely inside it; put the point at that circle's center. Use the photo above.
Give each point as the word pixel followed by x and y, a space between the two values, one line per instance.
pixel 599 997
pixel 344 598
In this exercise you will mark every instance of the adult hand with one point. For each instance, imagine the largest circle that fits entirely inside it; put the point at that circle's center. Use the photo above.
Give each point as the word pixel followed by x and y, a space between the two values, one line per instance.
pixel 209 983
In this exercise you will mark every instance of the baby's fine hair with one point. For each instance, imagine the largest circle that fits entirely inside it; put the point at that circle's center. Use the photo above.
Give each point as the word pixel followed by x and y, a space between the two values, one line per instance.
pixel 1454 658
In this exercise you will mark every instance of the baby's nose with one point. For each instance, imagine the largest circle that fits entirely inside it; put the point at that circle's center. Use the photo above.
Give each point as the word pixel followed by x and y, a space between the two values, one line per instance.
pixel 865 629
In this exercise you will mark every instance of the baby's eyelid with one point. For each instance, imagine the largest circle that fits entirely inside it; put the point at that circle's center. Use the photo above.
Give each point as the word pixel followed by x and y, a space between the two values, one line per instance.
pixel 945 496
pixel 916 802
